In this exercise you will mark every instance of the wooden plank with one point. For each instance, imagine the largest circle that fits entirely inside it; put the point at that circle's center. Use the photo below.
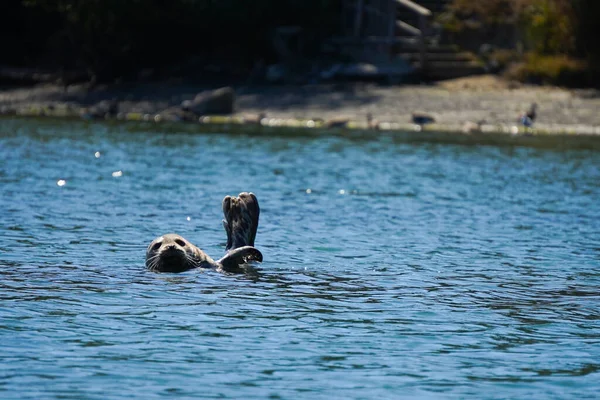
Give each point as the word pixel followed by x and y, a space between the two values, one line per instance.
pixel 414 7
pixel 354 41
pixel 422 43
pixel 408 28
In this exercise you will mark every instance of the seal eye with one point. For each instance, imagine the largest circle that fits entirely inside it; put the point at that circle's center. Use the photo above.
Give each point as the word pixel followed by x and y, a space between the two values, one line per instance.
pixel 180 242
pixel 156 246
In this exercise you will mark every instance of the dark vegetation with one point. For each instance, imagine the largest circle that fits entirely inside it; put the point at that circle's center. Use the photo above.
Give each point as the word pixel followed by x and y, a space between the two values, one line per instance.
pixel 536 41
pixel 540 41
pixel 111 39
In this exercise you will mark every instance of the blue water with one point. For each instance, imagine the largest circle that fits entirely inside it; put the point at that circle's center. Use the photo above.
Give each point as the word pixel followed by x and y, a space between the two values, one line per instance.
pixel 390 270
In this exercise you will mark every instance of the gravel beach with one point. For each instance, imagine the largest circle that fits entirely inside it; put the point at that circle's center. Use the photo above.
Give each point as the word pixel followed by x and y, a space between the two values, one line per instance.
pixel 486 98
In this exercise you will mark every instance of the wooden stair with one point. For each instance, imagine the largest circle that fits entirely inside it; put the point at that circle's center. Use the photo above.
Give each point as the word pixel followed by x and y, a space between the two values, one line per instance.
pixel 443 61
pixel 401 37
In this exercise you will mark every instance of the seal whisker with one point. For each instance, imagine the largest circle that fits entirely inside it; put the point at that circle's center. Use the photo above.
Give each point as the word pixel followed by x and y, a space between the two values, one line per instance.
pixel 152 265
pixel 153 258
pixel 153 262
pixel 191 260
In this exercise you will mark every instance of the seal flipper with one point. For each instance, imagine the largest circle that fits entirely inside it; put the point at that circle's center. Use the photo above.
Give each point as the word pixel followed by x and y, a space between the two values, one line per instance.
pixel 239 256
pixel 241 220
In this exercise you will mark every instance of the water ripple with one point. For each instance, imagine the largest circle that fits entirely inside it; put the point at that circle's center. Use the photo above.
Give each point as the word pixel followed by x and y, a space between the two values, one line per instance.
pixel 391 270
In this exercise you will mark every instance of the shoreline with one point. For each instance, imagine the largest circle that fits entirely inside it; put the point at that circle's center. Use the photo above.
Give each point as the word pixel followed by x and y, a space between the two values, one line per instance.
pixel 432 134
pixel 474 109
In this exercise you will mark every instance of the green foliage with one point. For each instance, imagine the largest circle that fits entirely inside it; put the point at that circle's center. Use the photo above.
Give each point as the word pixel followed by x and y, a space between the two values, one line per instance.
pixel 486 12
pixel 549 26
pixel 504 58
pixel 545 26
pixel 555 36
pixel 554 69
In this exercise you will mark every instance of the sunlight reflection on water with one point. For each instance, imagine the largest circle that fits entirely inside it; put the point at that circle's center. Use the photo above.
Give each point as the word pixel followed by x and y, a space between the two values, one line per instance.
pixel 391 270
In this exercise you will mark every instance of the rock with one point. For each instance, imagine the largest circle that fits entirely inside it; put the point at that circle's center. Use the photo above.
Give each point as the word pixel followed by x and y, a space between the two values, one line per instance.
pixel 254 118
pixel 210 102
pixel 337 122
pixel 472 127
pixel 104 109
pixel 175 114
pixel 6 110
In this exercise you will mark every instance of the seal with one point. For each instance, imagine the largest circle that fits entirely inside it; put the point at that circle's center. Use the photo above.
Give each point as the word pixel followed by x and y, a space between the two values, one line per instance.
pixel 173 253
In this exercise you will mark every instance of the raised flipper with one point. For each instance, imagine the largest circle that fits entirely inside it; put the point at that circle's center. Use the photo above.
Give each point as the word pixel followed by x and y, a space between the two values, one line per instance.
pixel 241 220
pixel 240 256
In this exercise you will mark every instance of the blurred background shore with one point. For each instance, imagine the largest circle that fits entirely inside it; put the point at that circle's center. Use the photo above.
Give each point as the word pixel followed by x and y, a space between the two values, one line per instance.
pixel 456 60
pixel 484 98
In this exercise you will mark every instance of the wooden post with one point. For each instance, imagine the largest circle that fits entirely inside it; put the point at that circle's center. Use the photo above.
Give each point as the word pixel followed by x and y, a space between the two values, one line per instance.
pixel 422 42
pixel 391 27
pixel 386 9
pixel 423 30
pixel 344 22
pixel 358 17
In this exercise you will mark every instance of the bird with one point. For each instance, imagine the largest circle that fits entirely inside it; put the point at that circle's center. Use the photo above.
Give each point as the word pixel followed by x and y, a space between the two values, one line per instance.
pixel 422 118
pixel 371 122
pixel 528 118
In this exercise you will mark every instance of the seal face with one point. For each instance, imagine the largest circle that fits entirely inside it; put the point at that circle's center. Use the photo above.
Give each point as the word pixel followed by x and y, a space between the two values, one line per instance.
pixel 173 253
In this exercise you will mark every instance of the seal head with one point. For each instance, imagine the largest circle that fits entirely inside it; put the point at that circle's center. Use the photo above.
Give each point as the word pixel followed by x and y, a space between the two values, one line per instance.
pixel 173 253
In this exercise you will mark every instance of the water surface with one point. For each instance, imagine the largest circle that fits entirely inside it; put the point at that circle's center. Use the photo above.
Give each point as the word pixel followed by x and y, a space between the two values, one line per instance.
pixel 390 270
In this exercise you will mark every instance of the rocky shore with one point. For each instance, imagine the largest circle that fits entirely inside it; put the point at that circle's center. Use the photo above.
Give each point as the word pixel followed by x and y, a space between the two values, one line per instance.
pixel 467 105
